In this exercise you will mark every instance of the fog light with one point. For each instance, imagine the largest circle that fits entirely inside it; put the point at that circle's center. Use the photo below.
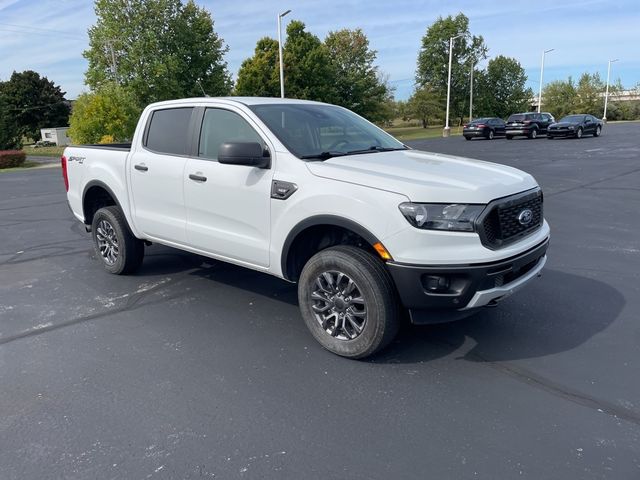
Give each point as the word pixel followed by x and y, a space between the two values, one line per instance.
pixel 436 283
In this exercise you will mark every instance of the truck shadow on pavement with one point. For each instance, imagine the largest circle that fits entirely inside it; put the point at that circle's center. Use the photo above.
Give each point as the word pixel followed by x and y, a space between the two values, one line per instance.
pixel 554 314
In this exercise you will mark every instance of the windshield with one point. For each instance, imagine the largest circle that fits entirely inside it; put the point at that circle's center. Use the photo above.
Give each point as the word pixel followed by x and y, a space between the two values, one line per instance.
pixel 323 131
pixel 573 118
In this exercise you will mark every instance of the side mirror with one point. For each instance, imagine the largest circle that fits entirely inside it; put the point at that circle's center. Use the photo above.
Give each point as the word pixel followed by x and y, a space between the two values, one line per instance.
pixel 250 154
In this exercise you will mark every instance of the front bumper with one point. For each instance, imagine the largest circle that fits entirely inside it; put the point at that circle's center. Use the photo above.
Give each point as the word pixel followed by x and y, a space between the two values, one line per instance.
pixel 561 133
pixel 468 286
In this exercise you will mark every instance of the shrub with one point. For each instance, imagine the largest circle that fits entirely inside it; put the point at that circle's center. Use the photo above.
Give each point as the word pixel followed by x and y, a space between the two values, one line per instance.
pixel 106 139
pixel 11 158
pixel 110 111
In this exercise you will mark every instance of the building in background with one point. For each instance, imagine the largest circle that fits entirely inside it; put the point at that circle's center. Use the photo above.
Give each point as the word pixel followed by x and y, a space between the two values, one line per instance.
pixel 56 135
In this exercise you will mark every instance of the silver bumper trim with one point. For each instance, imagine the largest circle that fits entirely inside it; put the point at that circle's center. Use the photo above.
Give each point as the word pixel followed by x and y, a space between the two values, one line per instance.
pixel 484 297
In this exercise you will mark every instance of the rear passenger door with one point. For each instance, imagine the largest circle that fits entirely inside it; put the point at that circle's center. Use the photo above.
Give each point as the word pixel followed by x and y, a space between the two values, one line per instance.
pixel 228 206
pixel 156 175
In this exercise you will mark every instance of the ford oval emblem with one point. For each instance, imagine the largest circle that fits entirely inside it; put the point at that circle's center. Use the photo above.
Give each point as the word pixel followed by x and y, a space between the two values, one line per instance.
pixel 525 217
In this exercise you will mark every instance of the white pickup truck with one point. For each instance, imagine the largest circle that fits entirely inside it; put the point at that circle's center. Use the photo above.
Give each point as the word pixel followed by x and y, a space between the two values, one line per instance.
pixel 314 194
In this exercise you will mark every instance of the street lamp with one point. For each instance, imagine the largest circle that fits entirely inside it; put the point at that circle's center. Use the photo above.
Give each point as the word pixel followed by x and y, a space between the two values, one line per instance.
pixel 606 95
pixel 280 53
pixel 541 73
pixel 447 130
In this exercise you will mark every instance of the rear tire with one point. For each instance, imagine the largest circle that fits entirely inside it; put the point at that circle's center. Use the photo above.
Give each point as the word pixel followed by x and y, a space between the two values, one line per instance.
pixel 114 244
pixel 467 138
pixel 509 137
pixel 598 131
pixel 491 135
pixel 348 301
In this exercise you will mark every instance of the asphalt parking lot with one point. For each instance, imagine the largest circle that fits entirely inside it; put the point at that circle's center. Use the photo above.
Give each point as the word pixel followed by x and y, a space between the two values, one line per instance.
pixel 197 369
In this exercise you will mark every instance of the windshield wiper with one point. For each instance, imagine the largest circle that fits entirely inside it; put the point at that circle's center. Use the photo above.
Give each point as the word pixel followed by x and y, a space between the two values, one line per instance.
pixel 376 148
pixel 323 155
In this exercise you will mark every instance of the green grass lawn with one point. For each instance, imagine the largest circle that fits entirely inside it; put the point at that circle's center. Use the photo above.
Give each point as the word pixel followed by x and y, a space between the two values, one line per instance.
pixel 28 166
pixel 418 133
pixel 44 151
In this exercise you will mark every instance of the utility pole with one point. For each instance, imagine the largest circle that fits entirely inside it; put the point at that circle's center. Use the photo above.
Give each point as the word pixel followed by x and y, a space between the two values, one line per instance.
pixel 471 93
pixel 114 65
pixel 280 52
pixel 447 130
pixel 606 95
pixel 541 73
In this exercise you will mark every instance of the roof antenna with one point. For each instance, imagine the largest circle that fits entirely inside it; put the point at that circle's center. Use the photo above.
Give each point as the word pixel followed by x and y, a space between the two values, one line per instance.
pixel 200 85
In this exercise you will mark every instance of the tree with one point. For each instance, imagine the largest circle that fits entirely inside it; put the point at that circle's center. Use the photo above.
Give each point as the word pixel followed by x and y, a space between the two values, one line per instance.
pixel 158 49
pixel 10 138
pixel 110 111
pixel 433 60
pixel 259 75
pixel 34 102
pixel 359 85
pixel 500 90
pixel 559 97
pixel 308 71
pixel 425 104
pixel 589 95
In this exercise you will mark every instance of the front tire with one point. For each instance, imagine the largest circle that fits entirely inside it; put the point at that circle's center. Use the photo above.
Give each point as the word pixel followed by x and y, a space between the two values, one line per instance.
pixel 348 301
pixel 533 134
pixel 114 244
pixel 579 133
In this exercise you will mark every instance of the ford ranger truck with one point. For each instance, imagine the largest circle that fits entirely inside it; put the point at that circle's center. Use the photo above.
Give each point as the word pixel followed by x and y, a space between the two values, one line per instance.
pixel 314 194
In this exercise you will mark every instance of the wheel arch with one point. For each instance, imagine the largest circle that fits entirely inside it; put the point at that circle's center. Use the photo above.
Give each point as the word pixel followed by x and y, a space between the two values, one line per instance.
pixel 96 194
pixel 326 224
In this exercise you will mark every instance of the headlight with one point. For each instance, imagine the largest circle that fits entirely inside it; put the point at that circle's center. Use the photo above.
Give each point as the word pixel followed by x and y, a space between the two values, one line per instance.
pixel 440 216
pixel 571 127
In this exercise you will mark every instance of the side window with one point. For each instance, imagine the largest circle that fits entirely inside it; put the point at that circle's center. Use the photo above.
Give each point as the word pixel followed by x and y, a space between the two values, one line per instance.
pixel 220 126
pixel 169 131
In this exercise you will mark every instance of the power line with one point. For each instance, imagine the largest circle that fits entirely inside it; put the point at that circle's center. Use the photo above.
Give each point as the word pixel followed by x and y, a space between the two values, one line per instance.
pixel 30 28
pixel 30 31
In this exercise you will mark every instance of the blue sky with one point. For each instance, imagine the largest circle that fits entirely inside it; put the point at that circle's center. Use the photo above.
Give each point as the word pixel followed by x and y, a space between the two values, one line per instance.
pixel 48 36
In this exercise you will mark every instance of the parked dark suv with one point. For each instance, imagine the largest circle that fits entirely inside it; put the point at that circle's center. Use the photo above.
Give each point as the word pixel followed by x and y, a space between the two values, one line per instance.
pixel 530 124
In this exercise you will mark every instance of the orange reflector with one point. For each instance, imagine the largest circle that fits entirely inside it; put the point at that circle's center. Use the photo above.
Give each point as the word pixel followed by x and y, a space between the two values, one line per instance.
pixel 382 251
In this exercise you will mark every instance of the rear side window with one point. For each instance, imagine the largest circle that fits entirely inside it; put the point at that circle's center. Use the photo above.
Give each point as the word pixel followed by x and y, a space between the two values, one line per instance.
pixel 221 126
pixel 169 131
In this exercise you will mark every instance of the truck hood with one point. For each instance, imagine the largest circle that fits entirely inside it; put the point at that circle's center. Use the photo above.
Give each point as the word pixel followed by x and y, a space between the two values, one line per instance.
pixel 426 177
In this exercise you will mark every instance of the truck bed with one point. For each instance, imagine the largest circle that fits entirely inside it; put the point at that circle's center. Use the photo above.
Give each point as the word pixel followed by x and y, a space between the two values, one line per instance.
pixel 107 146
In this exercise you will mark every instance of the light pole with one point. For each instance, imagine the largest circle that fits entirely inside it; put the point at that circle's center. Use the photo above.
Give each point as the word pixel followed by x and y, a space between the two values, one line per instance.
pixel 280 53
pixel 447 130
pixel 606 94
pixel 541 73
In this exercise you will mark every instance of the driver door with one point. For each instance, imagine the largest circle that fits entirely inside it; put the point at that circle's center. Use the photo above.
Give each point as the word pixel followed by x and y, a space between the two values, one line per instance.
pixel 228 207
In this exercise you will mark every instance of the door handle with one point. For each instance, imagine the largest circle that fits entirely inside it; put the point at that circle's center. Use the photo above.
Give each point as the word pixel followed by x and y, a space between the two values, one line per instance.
pixel 197 178
pixel 142 167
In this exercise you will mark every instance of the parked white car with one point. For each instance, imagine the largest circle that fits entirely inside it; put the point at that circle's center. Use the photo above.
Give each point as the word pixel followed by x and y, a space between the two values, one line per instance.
pixel 314 194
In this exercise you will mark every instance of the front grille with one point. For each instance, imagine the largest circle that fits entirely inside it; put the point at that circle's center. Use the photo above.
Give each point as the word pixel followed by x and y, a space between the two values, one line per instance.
pixel 501 225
